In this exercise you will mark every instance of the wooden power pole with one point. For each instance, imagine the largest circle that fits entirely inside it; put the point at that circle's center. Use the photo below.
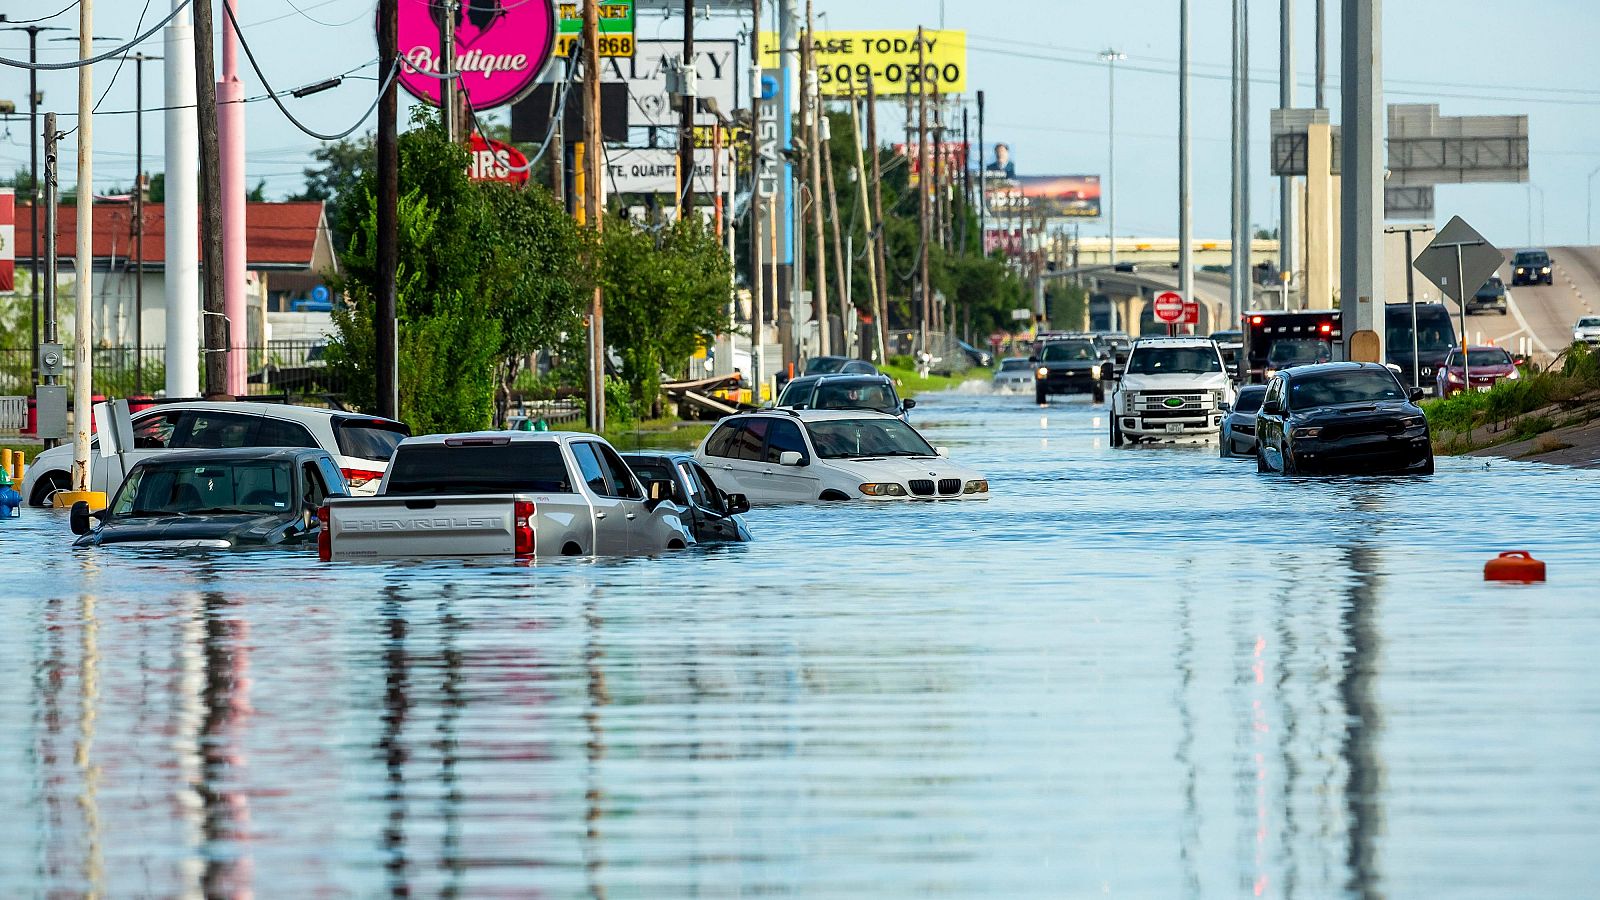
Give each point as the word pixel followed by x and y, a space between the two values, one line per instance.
pixel 812 98
pixel 924 214
pixel 594 157
pixel 686 119
pixel 879 249
pixel 385 325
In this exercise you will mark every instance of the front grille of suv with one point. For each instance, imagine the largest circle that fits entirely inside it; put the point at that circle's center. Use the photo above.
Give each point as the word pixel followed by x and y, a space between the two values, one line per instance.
pixel 922 487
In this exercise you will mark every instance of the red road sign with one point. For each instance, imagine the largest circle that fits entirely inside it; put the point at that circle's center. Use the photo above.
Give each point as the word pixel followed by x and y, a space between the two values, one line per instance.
pixel 1169 307
pixel 493 160
pixel 1191 312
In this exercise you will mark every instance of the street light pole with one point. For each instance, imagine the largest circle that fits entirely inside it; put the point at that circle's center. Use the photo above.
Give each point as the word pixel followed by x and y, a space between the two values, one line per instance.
pixel 1588 225
pixel 1111 57
pixel 1185 196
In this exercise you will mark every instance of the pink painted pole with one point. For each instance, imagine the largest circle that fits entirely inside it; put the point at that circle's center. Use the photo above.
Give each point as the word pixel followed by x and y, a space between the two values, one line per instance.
pixel 230 140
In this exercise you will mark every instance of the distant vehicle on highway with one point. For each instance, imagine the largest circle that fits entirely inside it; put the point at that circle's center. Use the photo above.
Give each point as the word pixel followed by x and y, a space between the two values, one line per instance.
pixel 1173 387
pixel 503 495
pixel 1342 418
pixel 712 514
pixel 839 365
pixel 1532 267
pixel 788 456
pixel 1488 365
pixel 1587 329
pixel 1068 366
pixel 1231 343
pixel 361 444
pixel 1297 352
pixel 1263 329
pixel 1118 342
pixel 874 392
pixel 1015 373
pixel 1436 336
pixel 1238 437
pixel 216 500
pixel 1489 298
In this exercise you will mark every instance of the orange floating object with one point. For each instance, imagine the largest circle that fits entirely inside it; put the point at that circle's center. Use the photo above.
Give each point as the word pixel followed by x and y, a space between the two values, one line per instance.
pixel 1514 565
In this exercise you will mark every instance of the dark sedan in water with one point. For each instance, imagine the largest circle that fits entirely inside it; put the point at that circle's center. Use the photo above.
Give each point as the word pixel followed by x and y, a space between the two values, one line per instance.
pixel 1342 418
pixel 711 513
pixel 216 499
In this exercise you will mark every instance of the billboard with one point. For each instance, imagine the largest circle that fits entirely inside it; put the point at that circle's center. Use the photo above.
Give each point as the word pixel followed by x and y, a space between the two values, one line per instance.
pixel 716 64
pixel 654 170
pixel 1047 196
pixel 845 58
pixel 616 27
pixel 500 49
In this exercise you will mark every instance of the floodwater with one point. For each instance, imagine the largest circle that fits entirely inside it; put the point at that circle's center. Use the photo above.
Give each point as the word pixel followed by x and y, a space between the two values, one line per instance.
pixel 1138 673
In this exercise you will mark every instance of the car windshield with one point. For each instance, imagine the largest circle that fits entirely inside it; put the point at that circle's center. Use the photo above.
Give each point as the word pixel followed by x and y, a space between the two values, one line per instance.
pixel 796 393
pixel 1492 288
pixel 879 396
pixel 1298 353
pixel 1250 399
pixel 1589 322
pixel 421 470
pixel 1017 363
pixel 1351 386
pixel 1476 357
pixel 1068 351
pixel 1532 258
pixel 369 438
pixel 1159 360
pixel 858 438
pixel 174 489
pixel 824 365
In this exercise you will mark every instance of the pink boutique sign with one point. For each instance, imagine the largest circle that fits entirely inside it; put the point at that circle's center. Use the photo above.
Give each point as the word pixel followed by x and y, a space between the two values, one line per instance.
pixel 501 47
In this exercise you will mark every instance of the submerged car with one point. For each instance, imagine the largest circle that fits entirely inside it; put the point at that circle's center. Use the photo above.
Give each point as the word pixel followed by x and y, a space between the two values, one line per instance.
pixel 216 499
pixel 782 456
pixel 1014 374
pixel 711 513
pixel 1342 418
pixel 874 392
pixel 1238 437
pixel 1486 366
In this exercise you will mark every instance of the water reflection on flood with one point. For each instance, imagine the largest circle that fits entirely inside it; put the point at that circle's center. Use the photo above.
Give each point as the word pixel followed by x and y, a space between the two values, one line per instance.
pixel 1145 673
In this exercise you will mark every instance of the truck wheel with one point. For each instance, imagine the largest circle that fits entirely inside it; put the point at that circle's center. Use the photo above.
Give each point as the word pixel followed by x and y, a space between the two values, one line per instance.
pixel 1261 462
pixel 1116 432
pixel 47 487
pixel 1039 396
pixel 1503 310
pixel 1099 392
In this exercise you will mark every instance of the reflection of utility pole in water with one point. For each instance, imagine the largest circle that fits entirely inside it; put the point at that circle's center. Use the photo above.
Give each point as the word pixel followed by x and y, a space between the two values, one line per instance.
pixel 1189 829
pixel 83 754
pixel 595 748
pixel 226 703
pixel 391 741
pixel 1363 778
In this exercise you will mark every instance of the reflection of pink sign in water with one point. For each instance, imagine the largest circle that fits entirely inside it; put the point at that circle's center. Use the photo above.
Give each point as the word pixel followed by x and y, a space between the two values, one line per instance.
pixel 501 47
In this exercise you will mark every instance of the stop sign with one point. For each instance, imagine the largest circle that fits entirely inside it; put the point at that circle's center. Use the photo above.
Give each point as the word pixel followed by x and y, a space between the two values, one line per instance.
pixel 1168 307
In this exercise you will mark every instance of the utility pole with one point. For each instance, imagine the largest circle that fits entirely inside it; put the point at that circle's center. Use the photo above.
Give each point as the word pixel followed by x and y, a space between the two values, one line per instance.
pixel 983 188
pixel 868 229
pixel 788 263
pixel 1361 197
pixel 1111 58
pixel 83 266
pixel 1322 55
pixel 216 322
pixel 924 214
pixel 879 251
pixel 966 180
pixel 594 157
pixel 1185 163
pixel 1588 221
pixel 846 313
pixel 811 99
pixel 1286 192
pixel 450 87
pixel 52 139
pixel 138 221
pixel 181 269
pixel 385 326
pixel 938 172
pixel 686 117
pixel 758 310
pixel 230 156
pixel 33 176
pixel 801 224
pixel 1240 273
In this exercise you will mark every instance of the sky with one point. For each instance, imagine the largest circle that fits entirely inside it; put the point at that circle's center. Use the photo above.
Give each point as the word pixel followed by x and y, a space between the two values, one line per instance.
pixel 1046 92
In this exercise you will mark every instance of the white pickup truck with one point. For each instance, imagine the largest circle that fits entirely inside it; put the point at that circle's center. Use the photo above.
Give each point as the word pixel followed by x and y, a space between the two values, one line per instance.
pixel 503 494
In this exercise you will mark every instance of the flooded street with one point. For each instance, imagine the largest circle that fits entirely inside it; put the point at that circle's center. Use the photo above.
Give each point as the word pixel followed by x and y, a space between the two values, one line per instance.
pixel 1142 673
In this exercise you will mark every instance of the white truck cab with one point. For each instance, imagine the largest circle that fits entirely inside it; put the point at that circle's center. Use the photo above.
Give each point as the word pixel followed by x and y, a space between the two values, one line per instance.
pixel 1171 387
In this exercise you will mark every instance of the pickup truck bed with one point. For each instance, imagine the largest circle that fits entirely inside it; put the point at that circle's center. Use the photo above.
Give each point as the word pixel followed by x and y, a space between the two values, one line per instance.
pixel 365 528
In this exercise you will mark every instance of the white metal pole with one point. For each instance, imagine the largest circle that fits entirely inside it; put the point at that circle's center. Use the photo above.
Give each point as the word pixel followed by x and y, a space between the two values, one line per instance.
pixel 1185 144
pixel 1361 197
pixel 1111 57
pixel 181 269
pixel 1286 192
pixel 83 323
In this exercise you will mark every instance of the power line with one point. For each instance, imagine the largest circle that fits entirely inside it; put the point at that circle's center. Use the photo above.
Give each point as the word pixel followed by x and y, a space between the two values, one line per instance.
pixel 79 63
pixel 310 18
pixel 67 8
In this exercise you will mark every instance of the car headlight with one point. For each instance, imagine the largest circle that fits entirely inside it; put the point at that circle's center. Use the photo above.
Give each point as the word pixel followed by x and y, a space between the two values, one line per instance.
pixel 1514 375
pixel 1270 372
pixel 883 489
pixel 1520 270
pixel 1304 433
pixel 1042 372
pixel 1452 377
pixel 980 486
pixel 1545 271
pixel 1094 371
pixel 1414 421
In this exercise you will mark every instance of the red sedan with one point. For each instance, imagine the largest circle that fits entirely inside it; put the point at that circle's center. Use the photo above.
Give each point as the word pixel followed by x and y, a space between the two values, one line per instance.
pixel 1487 365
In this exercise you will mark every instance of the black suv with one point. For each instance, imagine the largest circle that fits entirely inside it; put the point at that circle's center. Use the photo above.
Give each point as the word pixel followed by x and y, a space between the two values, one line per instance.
pixel 1489 298
pixel 1532 267
pixel 1342 418
pixel 1068 366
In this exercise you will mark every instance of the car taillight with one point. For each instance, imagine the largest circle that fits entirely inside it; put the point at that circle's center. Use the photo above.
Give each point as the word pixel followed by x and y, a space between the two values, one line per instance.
pixel 522 527
pixel 324 536
pixel 359 477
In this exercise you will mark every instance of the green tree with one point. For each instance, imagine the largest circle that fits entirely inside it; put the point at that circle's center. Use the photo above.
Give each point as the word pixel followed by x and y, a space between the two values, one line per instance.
pixel 344 163
pixel 667 292
pixel 258 193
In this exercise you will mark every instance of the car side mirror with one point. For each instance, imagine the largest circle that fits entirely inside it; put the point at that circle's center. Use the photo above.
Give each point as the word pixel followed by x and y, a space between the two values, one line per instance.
pixel 1225 406
pixel 1034 359
pixel 736 503
pixel 80 517
pixel 791 458
pixel 1415 394
pixel 908 403
pixel 1108 370
pixel 942 451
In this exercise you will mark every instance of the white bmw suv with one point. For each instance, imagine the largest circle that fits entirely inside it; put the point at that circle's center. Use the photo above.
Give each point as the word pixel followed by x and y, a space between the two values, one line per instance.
pixel 793 455
pixel 1172 387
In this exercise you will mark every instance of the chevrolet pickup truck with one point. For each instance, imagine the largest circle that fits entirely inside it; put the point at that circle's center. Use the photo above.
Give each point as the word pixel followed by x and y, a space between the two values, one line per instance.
pixel 507 495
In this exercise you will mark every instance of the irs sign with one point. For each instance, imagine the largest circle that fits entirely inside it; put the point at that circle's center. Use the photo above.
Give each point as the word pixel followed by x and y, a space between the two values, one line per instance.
pixel 1168 307
pixel 493 160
